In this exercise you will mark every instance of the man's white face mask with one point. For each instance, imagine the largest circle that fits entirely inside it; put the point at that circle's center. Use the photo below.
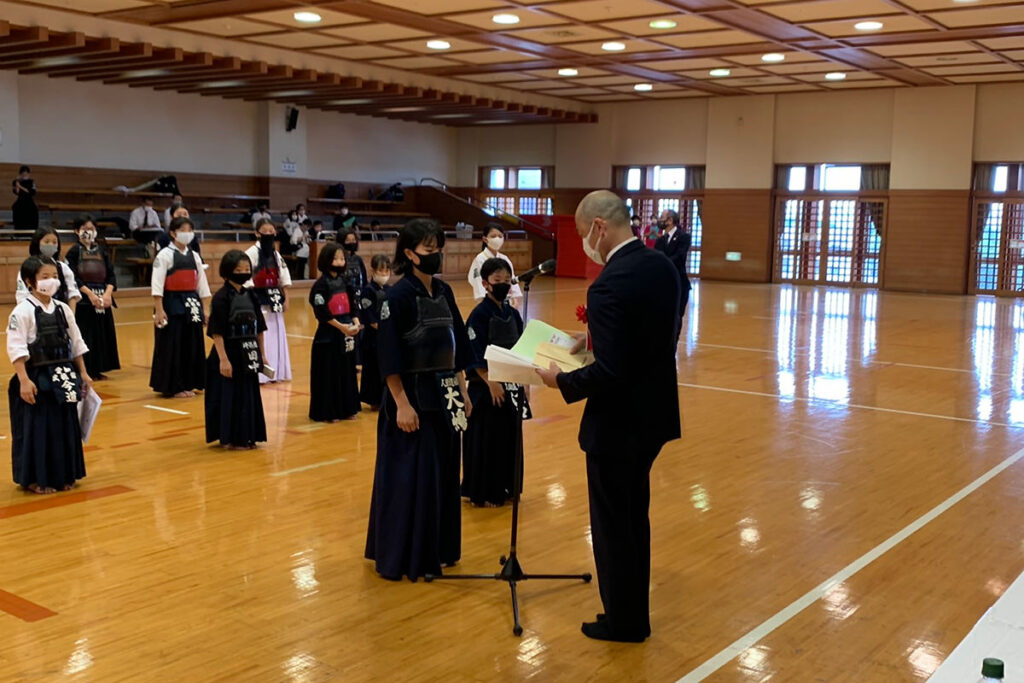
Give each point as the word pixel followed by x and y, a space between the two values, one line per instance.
pixel 592 252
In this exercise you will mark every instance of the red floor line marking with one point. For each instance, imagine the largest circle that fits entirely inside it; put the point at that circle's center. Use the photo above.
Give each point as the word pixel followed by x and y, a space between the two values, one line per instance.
pixel 58 500
pixel 23 609
pixel 549 418
pixel 166 436
pixel 125 445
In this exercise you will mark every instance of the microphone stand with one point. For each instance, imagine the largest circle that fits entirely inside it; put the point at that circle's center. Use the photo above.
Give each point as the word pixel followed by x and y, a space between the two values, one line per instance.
pixel 511 570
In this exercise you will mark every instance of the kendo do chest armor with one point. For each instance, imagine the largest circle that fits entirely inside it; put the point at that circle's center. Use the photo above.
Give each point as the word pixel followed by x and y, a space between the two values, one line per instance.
pixel 53 343
pixel 91 268
pixel 267 282
pixel 430 345
pixel 338 302
pixel 183 276
pixel 503 332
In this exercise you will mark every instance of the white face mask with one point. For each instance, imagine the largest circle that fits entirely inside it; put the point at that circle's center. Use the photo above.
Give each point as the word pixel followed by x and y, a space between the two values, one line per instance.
pixel 495 243
pixel 381 279
pixel 49 286
pixel 48 250
pixel 184 238
pixel 88 236
pixel 592 252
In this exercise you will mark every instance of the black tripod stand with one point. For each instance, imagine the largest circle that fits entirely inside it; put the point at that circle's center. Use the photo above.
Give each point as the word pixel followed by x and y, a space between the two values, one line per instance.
pixel 511 571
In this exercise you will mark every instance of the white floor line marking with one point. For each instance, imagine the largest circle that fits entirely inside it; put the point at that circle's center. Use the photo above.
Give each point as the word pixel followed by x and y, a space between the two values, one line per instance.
pixel 763 630
pixel 807 399
pixel 299 336
pixel 166 410
pixel 137 322
pixel 873 362
pixel 307 467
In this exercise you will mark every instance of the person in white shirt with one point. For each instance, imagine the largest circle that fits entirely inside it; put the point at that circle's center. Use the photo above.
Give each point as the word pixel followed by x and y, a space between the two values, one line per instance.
pixel 270 282
pixel 176 201
pixel 494 240
pixel 46 245
pixel 180 293
pixel 262 211
pixel 46 349
pixel 144 223
pixel 300 213
pixel 299 239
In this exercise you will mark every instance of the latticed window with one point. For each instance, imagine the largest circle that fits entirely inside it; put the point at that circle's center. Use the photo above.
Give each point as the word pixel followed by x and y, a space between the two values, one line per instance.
pixel 998 240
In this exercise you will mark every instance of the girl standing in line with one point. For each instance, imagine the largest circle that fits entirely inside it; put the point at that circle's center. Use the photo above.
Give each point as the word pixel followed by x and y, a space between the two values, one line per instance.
pixel 94 272
pixel 270 282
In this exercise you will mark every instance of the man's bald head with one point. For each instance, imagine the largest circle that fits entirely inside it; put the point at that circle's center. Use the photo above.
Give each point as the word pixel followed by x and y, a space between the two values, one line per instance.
pixel 605 205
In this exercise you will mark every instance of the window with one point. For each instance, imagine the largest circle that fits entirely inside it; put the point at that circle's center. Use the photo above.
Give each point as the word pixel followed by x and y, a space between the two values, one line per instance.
pixel 1000 179
pixel 669 178
pixel 841 178
pixel 633 180
pixel 528 179
pixel 497 179
pixel 797 179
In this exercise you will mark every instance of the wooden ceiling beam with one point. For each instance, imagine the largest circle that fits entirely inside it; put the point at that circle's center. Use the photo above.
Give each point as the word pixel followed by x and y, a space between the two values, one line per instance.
pixel 67 57
pixel 32 35
pixel 196 11
pixel 55 45
pixel 107 50
pixel 184 64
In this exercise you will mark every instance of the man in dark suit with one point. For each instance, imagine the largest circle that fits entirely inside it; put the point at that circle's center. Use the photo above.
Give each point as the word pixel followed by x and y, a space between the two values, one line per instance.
pixel 632 406
pixel 675 243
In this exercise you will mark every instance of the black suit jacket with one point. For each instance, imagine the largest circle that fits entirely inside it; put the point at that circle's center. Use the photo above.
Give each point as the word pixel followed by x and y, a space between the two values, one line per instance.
pixel 676 249
pixel 631 388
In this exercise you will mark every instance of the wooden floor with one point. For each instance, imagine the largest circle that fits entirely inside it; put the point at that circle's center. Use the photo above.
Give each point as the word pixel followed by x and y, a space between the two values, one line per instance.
pixel 818 425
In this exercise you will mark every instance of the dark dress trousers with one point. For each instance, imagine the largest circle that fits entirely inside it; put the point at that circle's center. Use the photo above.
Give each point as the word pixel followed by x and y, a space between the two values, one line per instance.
pixel 632 411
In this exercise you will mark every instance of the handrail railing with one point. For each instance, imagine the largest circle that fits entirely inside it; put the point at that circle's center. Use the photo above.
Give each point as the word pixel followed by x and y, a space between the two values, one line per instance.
pixel 490 209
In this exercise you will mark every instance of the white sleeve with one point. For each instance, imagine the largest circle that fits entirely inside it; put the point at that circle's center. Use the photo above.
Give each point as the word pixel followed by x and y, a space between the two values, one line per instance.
pixel 284 275
pixel 253 253
pixel 78 347
pixel 136 218
pixel 204 284
pixel 18 330
pixel 167 217
pixel 20 290
pixel 160 268
pixel 69 279
pixel 475 280
pixel 515 292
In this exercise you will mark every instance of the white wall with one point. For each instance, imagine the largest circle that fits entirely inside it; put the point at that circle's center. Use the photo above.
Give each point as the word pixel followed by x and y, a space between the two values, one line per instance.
pixel 69 123
pixel 740 145
pixel 998 128
pixel 350 147
pixel 10 139
pixel 932 138
pixel 839 126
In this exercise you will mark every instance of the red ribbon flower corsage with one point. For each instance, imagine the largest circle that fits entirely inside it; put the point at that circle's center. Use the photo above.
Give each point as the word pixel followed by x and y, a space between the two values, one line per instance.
pixel 581 315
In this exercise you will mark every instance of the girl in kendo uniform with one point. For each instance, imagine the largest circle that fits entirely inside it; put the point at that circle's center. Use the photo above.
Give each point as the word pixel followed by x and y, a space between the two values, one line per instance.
pixel 45 244
pixel 234 407
pixel 371 388
pixel 415 523
pixel 270 281
pixel 333 389
pixel 46 349
pixel 94 273
pixel 493 445
pixel 180 290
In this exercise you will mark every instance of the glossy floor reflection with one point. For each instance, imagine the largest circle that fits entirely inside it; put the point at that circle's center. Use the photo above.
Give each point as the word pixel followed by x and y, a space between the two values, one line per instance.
pixel 818 423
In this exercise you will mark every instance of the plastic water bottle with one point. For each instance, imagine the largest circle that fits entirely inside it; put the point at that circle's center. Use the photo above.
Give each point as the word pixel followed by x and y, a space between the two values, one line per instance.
pixel 991 670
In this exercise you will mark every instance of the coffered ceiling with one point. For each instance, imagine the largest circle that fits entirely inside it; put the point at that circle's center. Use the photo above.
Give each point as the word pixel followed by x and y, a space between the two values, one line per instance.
pixel 602 50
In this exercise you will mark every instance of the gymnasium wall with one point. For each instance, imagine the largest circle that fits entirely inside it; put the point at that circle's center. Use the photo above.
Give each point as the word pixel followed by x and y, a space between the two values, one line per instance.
pixel 930 136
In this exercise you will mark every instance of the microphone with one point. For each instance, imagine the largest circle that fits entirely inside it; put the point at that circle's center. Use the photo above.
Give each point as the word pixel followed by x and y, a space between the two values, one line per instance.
pixel 543 269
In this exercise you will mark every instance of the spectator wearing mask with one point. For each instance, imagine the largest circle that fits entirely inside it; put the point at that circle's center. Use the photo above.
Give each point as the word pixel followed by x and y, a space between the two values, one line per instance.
pixel 298 241
pixel 300 213
pixel 144 222
pixel 262 211
pixel 494 240
pixel 315 230
pixel 176 201
pixel 344 220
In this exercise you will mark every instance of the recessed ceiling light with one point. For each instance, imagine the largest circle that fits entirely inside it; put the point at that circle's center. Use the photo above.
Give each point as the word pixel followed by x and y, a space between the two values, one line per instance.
pixel 773 57
pixel 662 24
pixel 400 110
pixel 868 25
pixel 643 87
pixel 505 18
pixel 965 1
pixel 719 73
pixel 307 17
pixel 568 72
pixel 345 103
pixel 613 46
pixel 835 76
pixel 438 44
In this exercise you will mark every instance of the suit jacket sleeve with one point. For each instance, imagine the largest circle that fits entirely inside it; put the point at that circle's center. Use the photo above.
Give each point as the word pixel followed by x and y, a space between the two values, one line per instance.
pixel 609 371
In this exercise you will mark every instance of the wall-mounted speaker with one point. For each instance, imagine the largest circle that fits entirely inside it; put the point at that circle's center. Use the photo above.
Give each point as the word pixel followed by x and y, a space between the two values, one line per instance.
pixel 291 119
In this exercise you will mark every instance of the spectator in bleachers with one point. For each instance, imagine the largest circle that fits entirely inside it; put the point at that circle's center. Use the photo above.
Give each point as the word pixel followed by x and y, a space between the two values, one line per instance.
pixel 24 211
pixel 315 230
pixel 344 220
pixel 143 222
pixel 94 273
pixel 374 229
pixel 262 211
pixel 176 201
pixel 300 212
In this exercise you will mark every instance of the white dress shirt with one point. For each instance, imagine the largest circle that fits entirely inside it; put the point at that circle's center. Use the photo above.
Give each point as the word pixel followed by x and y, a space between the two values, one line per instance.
pixel 477 282
pixel 21 291
pixel 21 328
pixel 144 218
pixel 164 261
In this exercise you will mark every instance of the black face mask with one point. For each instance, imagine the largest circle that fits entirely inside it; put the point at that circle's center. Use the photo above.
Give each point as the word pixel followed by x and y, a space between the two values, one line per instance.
pixel 240 278
pixel 430 264
pixel 351 247
pixel 500 291
pixel 267 242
